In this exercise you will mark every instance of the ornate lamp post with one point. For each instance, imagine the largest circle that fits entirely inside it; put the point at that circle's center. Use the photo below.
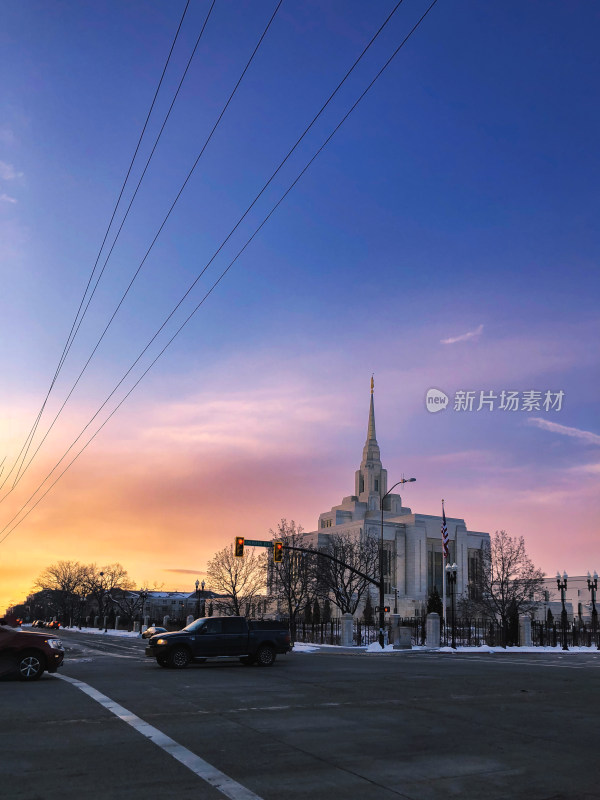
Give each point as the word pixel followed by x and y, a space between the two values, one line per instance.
pixel 562 586
pixel 593 586
pixel 451 570
pixel 381 567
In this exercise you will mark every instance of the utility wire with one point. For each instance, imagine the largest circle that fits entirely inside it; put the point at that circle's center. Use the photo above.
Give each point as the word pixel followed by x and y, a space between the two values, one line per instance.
pixel 190 288
pixel 215 284
pixel 121 301
pixel 236 226
pixel 73 332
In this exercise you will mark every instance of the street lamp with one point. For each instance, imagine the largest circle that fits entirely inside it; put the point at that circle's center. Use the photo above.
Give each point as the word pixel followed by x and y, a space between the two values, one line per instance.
pixel 451 570
pixel 381 592
pixel 82 600
pixel 593 586
pixel 562 585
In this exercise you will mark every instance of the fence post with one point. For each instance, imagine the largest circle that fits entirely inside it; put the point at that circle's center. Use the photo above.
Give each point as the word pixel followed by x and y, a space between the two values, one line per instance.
pixel 347 630
pixel 524 631
pixel 433 630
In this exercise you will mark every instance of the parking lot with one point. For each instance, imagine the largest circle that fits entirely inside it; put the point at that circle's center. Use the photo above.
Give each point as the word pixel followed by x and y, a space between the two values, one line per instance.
pixel 325 724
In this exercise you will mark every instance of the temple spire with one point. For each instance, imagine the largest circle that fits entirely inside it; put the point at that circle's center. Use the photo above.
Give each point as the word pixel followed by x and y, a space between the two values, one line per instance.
pixel 371 428
pixel 371 478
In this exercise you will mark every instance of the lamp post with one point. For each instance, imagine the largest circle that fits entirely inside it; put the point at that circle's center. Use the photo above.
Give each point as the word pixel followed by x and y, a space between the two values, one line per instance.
pixel 381 592
pixel 562 586
pixel 451 570
pixel 82 600
pixel 593 586
pixel 143 597
pixel 198 597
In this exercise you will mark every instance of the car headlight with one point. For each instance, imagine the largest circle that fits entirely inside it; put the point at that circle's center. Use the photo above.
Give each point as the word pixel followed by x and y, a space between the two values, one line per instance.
pixel 55 644
pixel 160 641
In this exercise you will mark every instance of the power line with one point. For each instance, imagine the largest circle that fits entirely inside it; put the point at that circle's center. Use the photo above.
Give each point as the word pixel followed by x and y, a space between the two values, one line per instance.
pixel 72 334
pixel 215 284
pixel 121 301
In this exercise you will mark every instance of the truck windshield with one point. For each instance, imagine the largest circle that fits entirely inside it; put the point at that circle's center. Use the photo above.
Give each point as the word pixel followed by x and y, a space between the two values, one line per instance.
pixel 195 625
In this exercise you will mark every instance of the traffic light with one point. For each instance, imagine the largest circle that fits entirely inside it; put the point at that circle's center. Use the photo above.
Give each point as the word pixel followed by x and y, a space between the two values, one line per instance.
pixel 239 546
pixel 277 552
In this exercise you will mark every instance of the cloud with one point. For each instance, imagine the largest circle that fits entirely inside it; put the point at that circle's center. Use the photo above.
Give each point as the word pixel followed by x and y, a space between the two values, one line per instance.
pixel 564 430
pixel 187 571
pixel 464 336
pixel 8 172
pixel 5 198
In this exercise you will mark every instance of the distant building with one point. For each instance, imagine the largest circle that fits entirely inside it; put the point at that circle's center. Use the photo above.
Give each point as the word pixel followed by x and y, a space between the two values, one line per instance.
pixel 412 542
pixel 578 600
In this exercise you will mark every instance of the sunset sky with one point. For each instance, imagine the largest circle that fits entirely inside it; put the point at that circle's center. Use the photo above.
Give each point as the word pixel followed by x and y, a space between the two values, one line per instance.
pixel 446 237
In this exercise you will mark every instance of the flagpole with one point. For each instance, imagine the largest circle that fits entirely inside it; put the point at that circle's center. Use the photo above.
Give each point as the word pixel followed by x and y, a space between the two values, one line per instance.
pixel 443 568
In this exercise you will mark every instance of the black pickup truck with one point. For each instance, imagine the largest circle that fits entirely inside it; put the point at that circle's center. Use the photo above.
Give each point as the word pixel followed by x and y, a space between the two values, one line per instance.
pixel 251 641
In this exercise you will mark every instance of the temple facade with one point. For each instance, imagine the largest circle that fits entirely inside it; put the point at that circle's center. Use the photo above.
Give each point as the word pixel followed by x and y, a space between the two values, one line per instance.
pixel 413 562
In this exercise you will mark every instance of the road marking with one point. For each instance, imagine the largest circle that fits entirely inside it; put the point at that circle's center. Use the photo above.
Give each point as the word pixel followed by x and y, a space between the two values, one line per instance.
pixel 221 782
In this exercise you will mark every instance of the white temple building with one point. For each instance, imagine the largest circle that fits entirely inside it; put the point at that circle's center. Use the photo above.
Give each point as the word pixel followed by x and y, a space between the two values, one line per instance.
pixel 412 542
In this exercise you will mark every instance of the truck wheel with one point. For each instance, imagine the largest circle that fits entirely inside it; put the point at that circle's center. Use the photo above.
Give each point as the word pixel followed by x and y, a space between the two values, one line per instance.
pixel 30 666
pixel 265 656
pixel 179 657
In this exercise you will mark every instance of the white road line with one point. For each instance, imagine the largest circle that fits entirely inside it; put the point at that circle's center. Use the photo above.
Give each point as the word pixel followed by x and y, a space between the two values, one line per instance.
pixel 199 766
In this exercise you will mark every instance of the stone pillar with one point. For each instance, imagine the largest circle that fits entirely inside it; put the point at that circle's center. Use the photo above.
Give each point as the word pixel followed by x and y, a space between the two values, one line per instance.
pixel 401 635
pixel 105 626
pixel 136 627
pixel 433 630
pixel 189 619
pixel 117 623
pixel 146 622
pixel 96 621
pixel 166 621
pixel 347 630
pixel 525 631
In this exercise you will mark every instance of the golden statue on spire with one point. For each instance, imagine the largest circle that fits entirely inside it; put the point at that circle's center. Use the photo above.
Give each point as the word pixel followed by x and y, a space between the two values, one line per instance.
pixel 372 383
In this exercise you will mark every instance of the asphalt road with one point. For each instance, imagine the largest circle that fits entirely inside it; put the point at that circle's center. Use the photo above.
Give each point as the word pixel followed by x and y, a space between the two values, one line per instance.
pixel 316 725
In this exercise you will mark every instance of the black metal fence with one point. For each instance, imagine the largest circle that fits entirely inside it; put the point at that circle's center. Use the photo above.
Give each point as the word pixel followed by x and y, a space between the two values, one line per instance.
pixel 467 633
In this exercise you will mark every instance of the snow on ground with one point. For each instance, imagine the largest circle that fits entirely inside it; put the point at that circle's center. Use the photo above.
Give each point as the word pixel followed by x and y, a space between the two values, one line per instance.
pixel 301 647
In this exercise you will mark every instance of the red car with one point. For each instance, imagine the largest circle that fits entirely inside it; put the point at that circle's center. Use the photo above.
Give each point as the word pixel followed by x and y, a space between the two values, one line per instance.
pixel 28 653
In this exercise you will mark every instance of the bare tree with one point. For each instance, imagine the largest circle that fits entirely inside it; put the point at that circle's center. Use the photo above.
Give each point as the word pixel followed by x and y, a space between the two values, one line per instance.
pixel 129 603
pixel 99 583
pixel 508 583
pixel 65 579
pixel 347 578
pixel 292 580
pixel 240 580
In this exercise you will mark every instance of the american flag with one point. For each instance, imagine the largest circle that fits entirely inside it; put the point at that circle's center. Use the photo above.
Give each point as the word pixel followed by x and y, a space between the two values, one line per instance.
pixel 445 538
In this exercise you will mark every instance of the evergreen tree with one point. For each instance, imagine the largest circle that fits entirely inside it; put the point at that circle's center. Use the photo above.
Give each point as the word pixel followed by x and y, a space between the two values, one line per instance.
pixel 434 603
pixel 308 615
pixel 316 614
pixel 368 611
